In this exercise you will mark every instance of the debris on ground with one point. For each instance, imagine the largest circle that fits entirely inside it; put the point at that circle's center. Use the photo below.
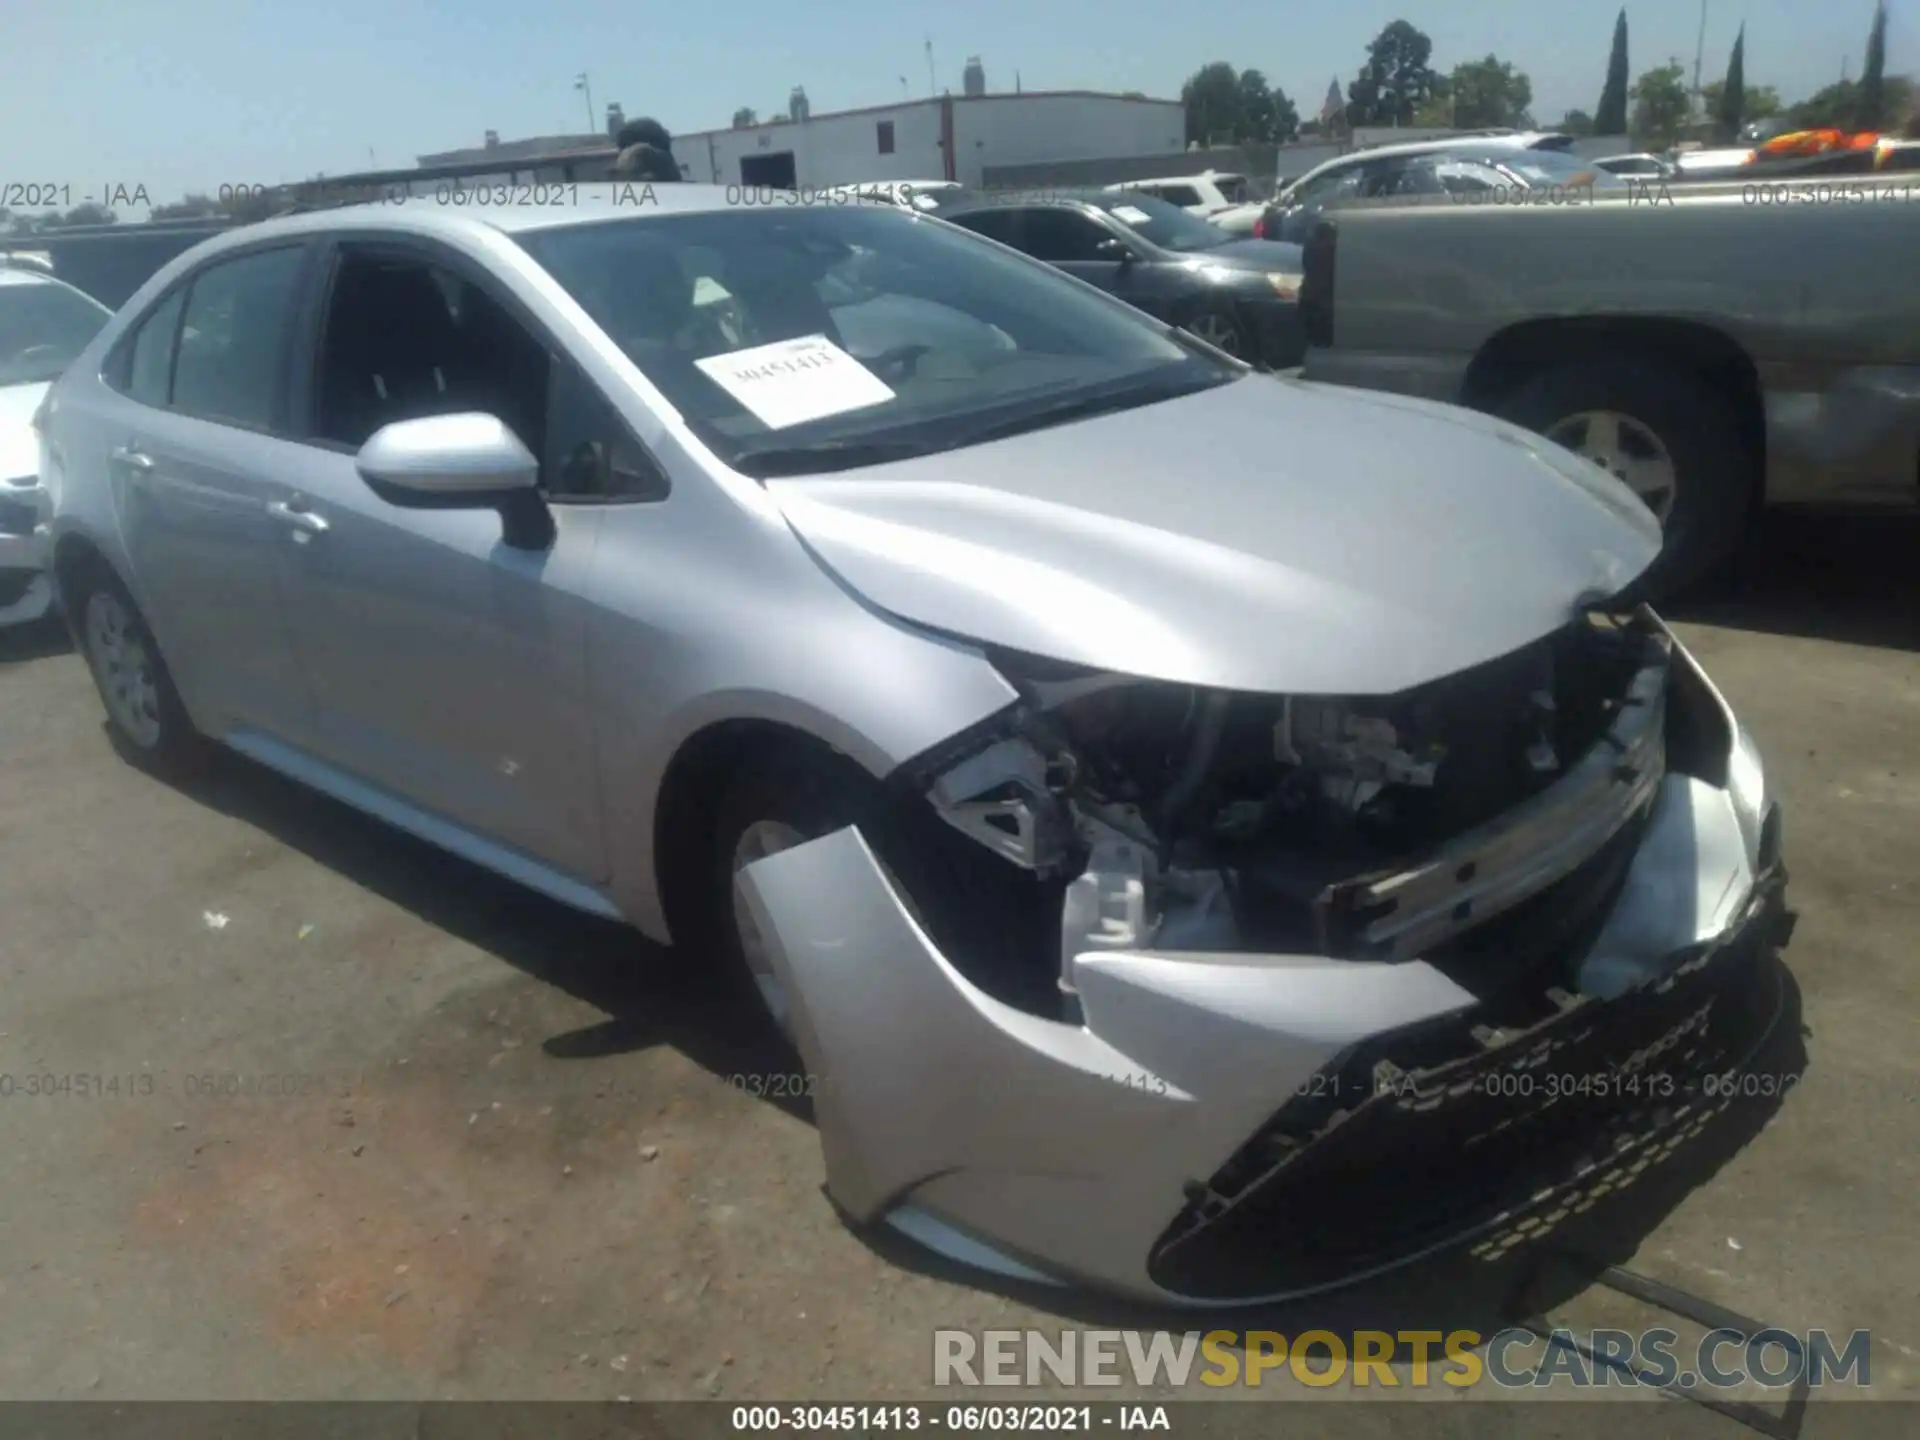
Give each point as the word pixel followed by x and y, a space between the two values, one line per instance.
pixel 215 920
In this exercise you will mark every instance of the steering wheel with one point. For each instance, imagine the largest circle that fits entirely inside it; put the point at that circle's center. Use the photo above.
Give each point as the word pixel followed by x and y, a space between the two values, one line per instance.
pixel 902 360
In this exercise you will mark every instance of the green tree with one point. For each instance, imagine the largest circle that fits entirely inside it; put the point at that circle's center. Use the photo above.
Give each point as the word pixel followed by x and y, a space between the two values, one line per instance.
pixel 1835 106
pixel 1256 108
pixel 1286 118
pixel 1610 116
pixel 1660 106
pixel 1577 123
pixel 1871 109
pixel 193 207
pixel 1397 79
pixel 1488 93
pixel 1437 113
pixel 1761 102
pixel 1729 107
pixel 744 118
pixel 1213 99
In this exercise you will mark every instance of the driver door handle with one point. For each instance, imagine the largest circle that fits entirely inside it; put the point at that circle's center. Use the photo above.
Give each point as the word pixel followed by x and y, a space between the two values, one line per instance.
pixel 304 521
pixel 137 461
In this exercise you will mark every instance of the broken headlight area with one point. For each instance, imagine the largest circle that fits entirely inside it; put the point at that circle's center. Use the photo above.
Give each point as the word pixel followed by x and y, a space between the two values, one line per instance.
pixel 1107 812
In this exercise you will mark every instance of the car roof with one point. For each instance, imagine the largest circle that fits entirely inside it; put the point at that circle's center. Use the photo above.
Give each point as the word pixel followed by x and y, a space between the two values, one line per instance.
pixel 1485 143
pixel 23 275
pixel 1008 199
pixel 1178 179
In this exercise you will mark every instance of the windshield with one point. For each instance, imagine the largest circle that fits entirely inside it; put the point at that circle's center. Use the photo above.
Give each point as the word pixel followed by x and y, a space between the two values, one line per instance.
pixel 43 327
pixel 818 339
pixel 1160 223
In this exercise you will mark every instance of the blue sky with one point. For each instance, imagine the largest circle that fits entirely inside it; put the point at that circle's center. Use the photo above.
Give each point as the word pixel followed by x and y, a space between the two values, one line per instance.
pixel 199 93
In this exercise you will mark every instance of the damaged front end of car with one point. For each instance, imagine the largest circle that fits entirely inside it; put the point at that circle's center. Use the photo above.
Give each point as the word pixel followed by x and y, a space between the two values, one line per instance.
pixel 1216 996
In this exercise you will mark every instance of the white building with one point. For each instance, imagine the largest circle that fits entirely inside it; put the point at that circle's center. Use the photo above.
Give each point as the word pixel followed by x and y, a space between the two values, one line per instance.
pixel 949 137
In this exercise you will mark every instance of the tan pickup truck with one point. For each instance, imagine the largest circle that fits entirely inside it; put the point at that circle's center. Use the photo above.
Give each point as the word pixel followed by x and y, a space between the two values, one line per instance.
pixel 1717 346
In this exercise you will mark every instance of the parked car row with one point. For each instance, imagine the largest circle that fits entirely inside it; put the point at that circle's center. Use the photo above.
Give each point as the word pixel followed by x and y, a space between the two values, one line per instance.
pixel 1051 724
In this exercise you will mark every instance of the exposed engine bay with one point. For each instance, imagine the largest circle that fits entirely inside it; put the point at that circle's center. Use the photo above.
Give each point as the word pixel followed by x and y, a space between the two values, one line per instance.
pixel 1124 814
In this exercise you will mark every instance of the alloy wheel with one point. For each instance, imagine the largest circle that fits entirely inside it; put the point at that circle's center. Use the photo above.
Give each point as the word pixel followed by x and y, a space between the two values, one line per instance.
pixel 124 668
pixel 1626 449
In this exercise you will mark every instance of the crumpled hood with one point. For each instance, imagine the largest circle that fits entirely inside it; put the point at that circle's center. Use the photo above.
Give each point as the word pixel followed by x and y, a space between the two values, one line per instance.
pixel 1266 535
pixel 19 446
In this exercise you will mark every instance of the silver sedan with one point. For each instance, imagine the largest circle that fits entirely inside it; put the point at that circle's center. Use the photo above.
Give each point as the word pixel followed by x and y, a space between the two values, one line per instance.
pixel 1153 859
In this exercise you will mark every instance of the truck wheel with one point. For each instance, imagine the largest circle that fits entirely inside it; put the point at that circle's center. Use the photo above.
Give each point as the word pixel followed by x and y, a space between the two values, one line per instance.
pixel 1670 436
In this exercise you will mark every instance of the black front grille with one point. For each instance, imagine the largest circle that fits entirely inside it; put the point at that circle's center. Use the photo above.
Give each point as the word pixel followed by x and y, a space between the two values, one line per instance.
pixel 1437 1131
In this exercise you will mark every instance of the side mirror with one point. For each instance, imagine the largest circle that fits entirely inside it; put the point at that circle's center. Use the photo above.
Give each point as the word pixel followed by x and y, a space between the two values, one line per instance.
pixel 1116 249
pixel 469 461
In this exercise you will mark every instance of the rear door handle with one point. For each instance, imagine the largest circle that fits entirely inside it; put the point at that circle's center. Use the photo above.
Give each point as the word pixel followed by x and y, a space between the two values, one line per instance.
pixel 137 461
pixel 304 521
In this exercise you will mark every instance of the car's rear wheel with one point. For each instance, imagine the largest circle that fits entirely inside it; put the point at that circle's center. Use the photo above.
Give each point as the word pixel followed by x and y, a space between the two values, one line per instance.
pixel 148 721
pixel 1665 432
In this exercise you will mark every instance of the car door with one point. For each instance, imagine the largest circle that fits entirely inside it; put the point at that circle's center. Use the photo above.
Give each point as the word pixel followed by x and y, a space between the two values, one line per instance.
pixel 1072 239
pixel 194 415
pixel 448 668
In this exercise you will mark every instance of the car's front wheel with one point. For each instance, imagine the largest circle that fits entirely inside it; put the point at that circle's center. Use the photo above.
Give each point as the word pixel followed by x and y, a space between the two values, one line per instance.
pixel 1668 435
pixel 148 720
pixel 779 802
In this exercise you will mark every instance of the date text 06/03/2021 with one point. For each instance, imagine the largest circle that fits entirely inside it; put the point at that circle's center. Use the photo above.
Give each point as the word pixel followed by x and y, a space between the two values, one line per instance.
pixel 962 1419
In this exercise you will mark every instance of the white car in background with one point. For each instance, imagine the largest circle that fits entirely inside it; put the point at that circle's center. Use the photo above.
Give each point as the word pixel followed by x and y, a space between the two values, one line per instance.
pixel 1206 194
pixel 44 324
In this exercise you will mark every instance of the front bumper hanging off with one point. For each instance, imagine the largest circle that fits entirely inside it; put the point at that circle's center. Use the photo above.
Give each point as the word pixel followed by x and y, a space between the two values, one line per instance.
pixel 1222 1128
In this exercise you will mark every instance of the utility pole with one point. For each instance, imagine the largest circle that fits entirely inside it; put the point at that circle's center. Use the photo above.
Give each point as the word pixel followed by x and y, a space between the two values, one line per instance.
pixel 581 83
pixel 933 85
pixel 1699 52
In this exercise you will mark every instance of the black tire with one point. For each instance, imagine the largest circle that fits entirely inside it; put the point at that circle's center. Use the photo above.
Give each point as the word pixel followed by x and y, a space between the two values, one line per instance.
pixel 1713 467
pixel 172 749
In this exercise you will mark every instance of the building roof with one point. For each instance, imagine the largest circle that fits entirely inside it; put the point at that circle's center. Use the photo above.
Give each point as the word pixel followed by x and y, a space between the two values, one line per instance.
pixel 539 147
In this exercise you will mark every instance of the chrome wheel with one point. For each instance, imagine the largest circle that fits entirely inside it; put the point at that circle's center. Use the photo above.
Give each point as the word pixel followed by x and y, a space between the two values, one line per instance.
pixel 124 666
pixel 1625 448
pixel 757 841
pixel 1217 330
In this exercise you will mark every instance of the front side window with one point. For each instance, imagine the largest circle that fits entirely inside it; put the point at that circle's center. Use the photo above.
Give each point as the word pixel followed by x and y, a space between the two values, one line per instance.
pixel 1161 223
pixel 855 334
pixel 43 327
pixel 1061 237
pixel 405 338
pixel 233 337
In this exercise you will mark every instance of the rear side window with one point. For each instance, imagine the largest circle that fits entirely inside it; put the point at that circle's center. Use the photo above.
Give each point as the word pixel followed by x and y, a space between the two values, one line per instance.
pixel 1180 195
pixel 233 338
pixel 150 358
pixel 1001 225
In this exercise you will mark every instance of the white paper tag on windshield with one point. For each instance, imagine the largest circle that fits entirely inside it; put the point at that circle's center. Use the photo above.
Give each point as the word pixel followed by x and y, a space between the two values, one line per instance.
pixel 793 381
pixel 1131 214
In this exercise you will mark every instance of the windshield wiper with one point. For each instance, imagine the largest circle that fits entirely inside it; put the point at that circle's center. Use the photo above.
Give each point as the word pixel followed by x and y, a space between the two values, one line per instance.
pixel 1082 407
pixel 824 456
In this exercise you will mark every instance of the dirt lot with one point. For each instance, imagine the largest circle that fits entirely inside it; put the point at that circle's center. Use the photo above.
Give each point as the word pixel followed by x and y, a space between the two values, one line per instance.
pixel 513 1163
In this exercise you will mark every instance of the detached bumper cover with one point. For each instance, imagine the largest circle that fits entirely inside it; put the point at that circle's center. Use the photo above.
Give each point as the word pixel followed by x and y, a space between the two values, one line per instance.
pixel 1224 1128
